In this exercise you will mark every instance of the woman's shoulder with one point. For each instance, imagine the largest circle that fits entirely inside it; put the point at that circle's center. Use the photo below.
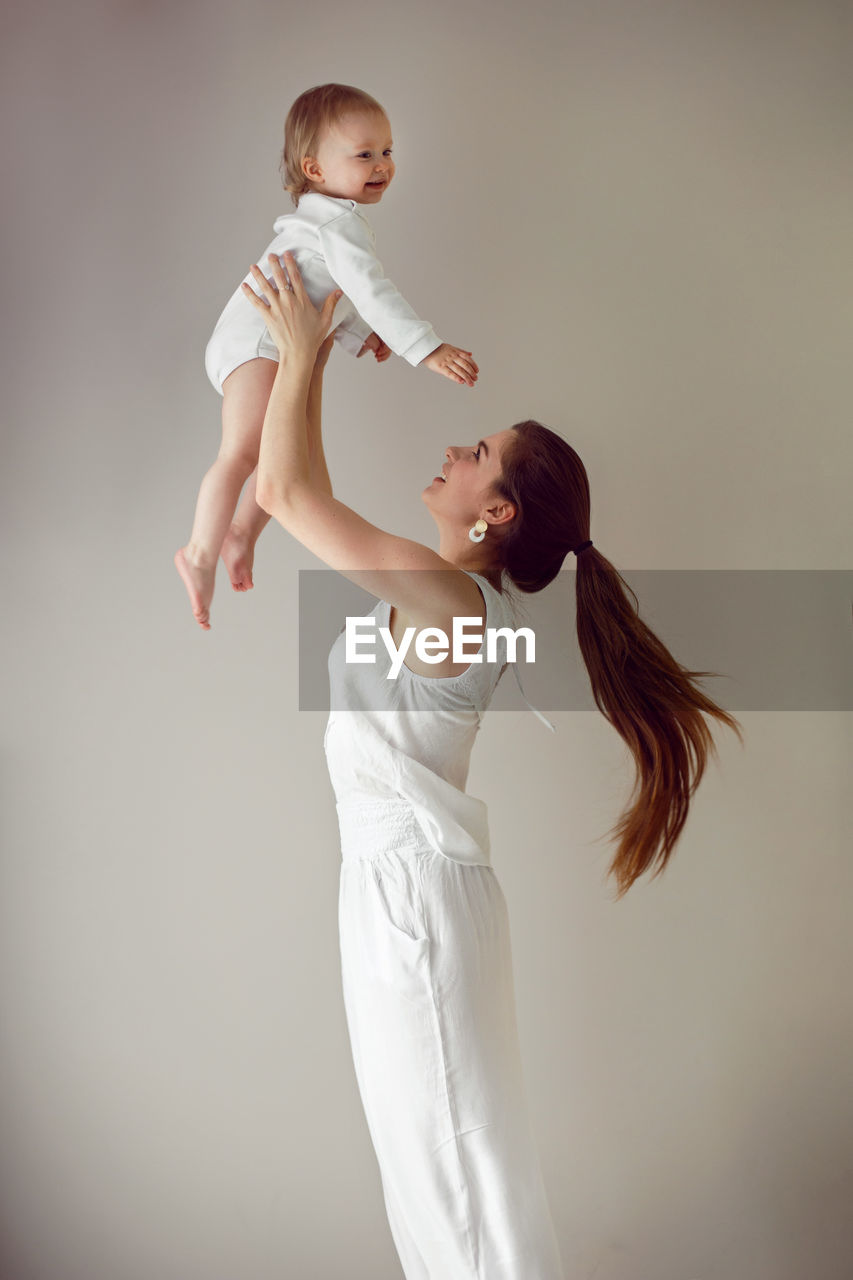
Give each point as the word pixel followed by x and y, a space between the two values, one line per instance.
pixel 494 587
pixel 475 590
pixel 500 608
pixel 504 608
pixel 459 593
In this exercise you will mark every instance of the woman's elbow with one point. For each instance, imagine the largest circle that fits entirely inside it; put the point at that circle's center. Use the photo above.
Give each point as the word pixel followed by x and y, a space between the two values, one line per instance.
pixel 274 500
pixel 265 498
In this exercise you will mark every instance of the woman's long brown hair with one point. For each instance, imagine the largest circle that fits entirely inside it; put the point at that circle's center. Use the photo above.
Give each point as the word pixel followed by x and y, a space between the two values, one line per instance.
pixel 648 697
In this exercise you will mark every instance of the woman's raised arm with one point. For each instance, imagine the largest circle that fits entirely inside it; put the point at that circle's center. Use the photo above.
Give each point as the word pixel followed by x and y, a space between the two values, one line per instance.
pixel 317 458
pixel 335 533
pixel 299 331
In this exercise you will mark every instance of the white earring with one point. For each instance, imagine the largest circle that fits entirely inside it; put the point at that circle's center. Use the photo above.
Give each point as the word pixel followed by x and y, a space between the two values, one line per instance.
pixel 477 532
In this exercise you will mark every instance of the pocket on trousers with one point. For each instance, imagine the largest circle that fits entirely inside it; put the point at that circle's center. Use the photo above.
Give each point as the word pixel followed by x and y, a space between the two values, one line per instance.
pixel 398 892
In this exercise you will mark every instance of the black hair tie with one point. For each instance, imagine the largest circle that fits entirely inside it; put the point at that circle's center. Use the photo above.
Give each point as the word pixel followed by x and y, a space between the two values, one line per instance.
pixel 583 546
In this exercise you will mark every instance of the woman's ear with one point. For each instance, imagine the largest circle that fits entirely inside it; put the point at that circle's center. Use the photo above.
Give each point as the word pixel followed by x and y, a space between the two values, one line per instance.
pixel 502 511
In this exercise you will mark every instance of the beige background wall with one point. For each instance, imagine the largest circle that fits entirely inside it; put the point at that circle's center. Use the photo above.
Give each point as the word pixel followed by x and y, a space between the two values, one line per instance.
pixel 638 216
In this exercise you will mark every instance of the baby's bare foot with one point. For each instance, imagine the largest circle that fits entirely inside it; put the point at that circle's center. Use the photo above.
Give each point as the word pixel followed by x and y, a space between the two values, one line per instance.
pixel 239 556
pixel 199 584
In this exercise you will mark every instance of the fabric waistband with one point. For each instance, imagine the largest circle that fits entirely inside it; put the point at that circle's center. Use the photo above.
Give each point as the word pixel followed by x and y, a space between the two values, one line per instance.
pixel 371 827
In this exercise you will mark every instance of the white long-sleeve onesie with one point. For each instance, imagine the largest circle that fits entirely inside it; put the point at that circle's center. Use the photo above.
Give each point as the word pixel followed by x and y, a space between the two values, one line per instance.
pixel 334 247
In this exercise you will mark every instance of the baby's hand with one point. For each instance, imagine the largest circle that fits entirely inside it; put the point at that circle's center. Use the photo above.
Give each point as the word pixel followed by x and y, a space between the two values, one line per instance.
pixel 374 343
pixel 454 363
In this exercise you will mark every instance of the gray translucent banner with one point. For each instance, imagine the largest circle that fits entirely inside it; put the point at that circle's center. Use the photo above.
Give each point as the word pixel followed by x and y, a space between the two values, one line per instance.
pixel 780 639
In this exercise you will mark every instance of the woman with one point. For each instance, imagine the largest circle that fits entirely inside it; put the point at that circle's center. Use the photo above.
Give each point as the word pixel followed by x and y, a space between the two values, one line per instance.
pixel 425 945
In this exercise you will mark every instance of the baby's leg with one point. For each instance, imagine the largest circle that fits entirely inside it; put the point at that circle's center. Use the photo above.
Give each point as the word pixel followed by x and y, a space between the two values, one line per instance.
pixel 244 402
pixel 238 549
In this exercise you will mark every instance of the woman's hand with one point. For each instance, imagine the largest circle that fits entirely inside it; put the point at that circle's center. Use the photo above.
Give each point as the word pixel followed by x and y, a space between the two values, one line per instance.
pixel 323 355
pixel 296 326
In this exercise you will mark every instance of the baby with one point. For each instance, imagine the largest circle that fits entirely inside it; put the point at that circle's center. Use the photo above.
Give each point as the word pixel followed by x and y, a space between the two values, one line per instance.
pixel 337 156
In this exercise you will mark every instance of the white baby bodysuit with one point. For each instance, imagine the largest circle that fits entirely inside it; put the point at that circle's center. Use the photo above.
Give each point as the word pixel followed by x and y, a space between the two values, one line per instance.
pixel 334 247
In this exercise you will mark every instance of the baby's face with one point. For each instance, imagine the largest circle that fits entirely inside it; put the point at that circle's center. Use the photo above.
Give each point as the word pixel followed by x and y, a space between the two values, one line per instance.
pixel 353 159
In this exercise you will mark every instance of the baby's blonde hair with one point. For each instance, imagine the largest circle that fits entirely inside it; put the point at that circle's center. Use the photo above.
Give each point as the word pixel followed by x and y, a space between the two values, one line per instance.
pixel 312 113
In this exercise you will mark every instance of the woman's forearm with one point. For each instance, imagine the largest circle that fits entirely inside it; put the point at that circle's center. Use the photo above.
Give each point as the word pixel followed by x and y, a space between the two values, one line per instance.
pixel 291 448
pixel 320 478
pixel 284 462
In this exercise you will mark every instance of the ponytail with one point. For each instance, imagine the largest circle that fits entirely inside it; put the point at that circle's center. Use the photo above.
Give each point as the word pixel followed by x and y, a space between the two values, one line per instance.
pixel 649 698
pixel 655 707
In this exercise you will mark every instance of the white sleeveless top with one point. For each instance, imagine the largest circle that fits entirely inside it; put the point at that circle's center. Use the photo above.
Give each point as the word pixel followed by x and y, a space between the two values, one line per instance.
pixel 410 738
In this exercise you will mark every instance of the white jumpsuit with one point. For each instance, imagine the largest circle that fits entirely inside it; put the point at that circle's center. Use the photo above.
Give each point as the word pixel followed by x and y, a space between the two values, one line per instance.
pixel 427 972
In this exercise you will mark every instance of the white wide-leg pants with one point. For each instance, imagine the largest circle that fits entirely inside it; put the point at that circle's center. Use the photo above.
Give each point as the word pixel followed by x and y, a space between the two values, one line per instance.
pixel 430 1006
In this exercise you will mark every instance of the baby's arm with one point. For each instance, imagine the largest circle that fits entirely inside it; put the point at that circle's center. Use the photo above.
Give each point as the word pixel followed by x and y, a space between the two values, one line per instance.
pixel 356 336
pixel 347 247
pixel 349 336
pixel 374 343
pixel 352 335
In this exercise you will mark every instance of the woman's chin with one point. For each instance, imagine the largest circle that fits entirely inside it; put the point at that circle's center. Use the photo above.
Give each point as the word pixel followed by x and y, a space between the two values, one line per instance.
pixel 426 499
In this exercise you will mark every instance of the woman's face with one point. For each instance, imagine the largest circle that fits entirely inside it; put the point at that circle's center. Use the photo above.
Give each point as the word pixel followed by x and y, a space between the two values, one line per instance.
pixel 460 492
